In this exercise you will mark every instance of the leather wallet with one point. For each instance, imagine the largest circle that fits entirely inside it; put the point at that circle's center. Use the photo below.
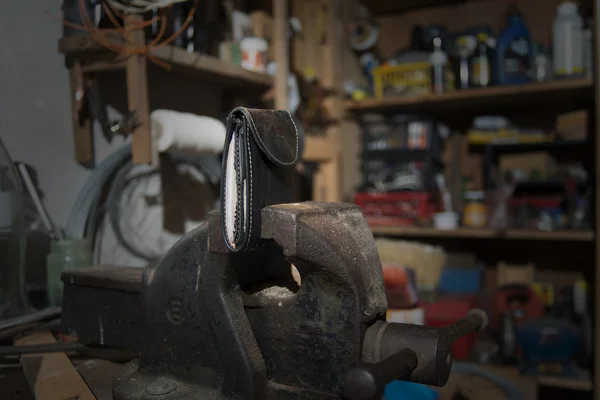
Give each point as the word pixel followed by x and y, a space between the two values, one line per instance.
pixel 261 149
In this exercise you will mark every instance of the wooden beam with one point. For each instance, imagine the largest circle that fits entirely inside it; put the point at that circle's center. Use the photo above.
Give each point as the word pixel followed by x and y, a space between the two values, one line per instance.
pixel 280 37
pixel 142 151
pixel 318 149
pixel 596 208
pixel 328 180
pixel 83 137
pixel 52 376
pixel 110 65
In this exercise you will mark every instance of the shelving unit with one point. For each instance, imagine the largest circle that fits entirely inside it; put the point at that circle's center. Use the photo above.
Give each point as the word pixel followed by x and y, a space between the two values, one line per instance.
pixel 578 90
pixel 530 103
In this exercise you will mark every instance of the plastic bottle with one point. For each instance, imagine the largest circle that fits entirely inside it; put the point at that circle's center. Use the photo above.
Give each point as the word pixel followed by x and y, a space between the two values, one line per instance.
pixel 567 41
pixel 439 62
pixel 464 47
pixel 481 63
pixel 513 49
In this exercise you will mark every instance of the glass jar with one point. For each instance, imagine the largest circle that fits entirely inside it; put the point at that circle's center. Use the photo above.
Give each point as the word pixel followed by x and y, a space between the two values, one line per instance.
pixel 65 254
pixel 474 212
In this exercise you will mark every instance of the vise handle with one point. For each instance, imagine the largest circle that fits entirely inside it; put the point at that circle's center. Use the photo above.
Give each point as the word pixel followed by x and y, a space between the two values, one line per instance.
pixel 367 380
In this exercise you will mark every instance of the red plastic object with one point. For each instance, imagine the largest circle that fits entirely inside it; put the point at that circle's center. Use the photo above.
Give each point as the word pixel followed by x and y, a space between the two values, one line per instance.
pixel 405 207
pixel 448 310
pixel 520 300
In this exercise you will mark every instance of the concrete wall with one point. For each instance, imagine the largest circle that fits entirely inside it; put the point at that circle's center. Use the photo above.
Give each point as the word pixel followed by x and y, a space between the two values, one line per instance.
pixel 35 120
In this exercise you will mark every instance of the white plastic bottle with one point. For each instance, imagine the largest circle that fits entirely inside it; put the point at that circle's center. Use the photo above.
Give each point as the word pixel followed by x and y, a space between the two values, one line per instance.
pixel 439 63
pixel 567 41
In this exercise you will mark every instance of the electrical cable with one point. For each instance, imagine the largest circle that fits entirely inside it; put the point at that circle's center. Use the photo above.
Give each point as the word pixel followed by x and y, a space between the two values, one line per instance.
pixel 89 206
pixel 91 192
pixel 102 36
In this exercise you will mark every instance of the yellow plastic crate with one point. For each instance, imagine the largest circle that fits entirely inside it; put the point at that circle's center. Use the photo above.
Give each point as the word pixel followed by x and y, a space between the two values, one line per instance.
pixel 414 78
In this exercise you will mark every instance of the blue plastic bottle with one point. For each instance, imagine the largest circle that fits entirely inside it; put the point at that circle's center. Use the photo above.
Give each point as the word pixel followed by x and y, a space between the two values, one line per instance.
pixel 513 50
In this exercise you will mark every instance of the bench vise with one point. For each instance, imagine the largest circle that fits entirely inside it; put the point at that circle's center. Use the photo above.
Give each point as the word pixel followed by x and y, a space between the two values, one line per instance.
pixel 222 316
pixel 223 325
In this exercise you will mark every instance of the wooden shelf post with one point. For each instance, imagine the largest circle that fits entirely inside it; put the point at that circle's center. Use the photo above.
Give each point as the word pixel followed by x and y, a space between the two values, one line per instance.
pixel 142 151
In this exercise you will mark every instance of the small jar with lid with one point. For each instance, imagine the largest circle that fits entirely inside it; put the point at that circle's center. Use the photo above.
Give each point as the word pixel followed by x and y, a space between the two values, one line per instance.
pixel 474 211
pixel 64 254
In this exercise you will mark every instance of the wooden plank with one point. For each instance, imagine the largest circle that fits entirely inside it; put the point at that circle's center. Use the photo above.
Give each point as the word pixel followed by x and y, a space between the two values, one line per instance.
pixel 517 95
pixel 583 384
pixel 211 69
pixel 380 7
pixel 280 37
pixel 413 231
pixel 137 96
pixel 317 149
pixel 83 136
pixel 596 208
pixel 484 233
pixel 196 65
pixel 329 183
pixel 52 376
pixel 99 66
pixel 577 236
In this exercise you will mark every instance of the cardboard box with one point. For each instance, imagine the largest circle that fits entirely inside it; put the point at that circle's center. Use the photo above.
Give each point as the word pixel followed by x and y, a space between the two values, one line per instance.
pixel 539 162
pixel 572 125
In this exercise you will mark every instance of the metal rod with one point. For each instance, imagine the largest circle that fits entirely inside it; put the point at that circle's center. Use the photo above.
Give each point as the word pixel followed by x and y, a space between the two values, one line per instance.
pixel 40 349
pixel 48 313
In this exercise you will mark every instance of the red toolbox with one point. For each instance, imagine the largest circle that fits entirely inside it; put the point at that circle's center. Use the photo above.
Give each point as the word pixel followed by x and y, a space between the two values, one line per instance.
pixel 447 310
pixel 404 208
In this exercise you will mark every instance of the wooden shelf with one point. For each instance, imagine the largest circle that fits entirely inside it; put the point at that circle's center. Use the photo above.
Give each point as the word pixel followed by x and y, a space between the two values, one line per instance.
pixel 411 231
pixel 381 7
pixel 575 236
pixel 485 233
pixel 497 96
pixel 583 383
pixel 193 65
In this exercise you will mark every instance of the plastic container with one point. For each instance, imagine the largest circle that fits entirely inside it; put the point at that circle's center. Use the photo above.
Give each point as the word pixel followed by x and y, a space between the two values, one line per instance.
pixel 481 63
pixel 254 54
pixel 548 340
pixel 64 254
pixel 445 221
pixel 567 41
pixel 513 50
pixel 461 280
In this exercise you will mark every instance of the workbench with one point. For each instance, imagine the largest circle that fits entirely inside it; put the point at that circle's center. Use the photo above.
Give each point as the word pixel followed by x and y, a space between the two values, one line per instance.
pixel 58 376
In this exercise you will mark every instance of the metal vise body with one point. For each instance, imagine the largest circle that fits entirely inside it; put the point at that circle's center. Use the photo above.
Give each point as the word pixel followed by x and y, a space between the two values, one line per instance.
pixel 226 326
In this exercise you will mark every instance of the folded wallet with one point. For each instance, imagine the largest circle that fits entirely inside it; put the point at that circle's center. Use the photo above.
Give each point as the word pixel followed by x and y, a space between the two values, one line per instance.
pixel 261 149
